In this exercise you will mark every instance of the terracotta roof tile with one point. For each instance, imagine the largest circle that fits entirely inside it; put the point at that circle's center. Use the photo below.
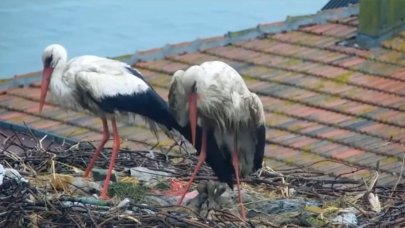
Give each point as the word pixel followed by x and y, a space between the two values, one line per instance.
pixel 334 30
pixel 306 39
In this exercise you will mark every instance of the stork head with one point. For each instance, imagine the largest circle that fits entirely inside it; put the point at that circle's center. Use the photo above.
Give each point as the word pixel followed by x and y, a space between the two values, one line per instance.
pixel 183 97
pixel 178 98
pixel 52 56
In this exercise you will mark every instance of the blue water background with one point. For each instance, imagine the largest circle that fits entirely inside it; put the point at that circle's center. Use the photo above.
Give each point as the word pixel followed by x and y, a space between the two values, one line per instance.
pixel 113 28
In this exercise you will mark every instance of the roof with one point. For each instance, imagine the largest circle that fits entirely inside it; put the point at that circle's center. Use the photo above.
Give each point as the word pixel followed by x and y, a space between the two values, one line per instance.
pixel 329 107
pixel 333 4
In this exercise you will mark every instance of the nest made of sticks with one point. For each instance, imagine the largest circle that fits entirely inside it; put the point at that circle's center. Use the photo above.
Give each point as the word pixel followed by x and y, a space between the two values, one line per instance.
pixel 32 205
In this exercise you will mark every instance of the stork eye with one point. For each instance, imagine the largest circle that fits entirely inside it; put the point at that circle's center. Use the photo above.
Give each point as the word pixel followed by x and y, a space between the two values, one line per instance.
pixel 194 86
pixel 48 61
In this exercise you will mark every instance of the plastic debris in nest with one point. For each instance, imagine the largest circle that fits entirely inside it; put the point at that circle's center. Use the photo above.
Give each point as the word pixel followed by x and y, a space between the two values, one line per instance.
pixel 10 174
pixel 149 177
pixel 346 216
pixel 28 207
pixel 70 184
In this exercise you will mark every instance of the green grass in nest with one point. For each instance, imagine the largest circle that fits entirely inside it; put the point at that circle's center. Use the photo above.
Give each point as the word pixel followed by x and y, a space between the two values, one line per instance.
pixel 128 190
pixel 162 186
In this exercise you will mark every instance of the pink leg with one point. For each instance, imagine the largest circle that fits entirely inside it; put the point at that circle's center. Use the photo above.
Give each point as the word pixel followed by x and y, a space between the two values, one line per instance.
pixel 106 136
pixel 201 159
pixel 116 147
pixel 235 162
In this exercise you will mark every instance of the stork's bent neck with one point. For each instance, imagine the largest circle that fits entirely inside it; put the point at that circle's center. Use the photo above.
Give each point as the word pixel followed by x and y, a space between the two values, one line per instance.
pixel 56 82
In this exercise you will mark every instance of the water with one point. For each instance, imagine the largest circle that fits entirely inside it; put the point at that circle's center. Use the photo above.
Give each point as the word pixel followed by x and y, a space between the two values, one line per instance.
pixel 112 28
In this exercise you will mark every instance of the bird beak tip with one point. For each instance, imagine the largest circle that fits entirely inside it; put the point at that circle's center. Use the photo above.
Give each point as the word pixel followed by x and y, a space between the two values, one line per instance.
pixel 193 115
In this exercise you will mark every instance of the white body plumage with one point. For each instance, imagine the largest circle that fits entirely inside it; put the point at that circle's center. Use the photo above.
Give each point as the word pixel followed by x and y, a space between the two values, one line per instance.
pixel 98 85
pixel 225 104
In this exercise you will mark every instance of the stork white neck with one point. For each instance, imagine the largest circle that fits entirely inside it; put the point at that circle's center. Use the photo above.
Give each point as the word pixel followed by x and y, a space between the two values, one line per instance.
pixel 56 84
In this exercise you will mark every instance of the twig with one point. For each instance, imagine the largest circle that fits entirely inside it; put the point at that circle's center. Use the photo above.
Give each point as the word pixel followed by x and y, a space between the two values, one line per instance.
pixel 400 176
pixel 32 133
pixel 40 142
pixel 89 212
pixel 266 223
pixel 18 138
pixel 130 218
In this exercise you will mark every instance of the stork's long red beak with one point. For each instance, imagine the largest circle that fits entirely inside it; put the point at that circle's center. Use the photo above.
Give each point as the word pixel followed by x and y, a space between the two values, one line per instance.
pixel 192 104
pixel 46 76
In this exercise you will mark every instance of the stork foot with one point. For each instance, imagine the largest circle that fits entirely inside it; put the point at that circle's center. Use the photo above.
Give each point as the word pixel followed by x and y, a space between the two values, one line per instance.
pixel 104 196
pixel 242 212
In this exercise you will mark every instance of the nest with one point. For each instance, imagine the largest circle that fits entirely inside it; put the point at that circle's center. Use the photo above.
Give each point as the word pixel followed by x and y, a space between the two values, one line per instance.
pixel 37 204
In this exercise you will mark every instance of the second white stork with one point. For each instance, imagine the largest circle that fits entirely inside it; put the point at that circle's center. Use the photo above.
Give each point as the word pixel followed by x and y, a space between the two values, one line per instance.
pixel 106 88
pixel 214 96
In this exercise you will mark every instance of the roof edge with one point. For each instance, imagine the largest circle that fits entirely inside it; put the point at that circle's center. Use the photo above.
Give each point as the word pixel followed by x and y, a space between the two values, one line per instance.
pixel 37 133
pixel 291 23
pixel 20 80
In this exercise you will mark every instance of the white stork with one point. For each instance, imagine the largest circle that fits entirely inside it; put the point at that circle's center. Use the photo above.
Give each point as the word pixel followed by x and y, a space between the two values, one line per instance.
pixel 105 88
pixel 218 95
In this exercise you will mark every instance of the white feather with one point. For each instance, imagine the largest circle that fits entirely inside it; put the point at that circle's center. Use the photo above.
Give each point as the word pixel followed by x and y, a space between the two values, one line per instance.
pixel 99 77
pixel 104 77
pixel 374 202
